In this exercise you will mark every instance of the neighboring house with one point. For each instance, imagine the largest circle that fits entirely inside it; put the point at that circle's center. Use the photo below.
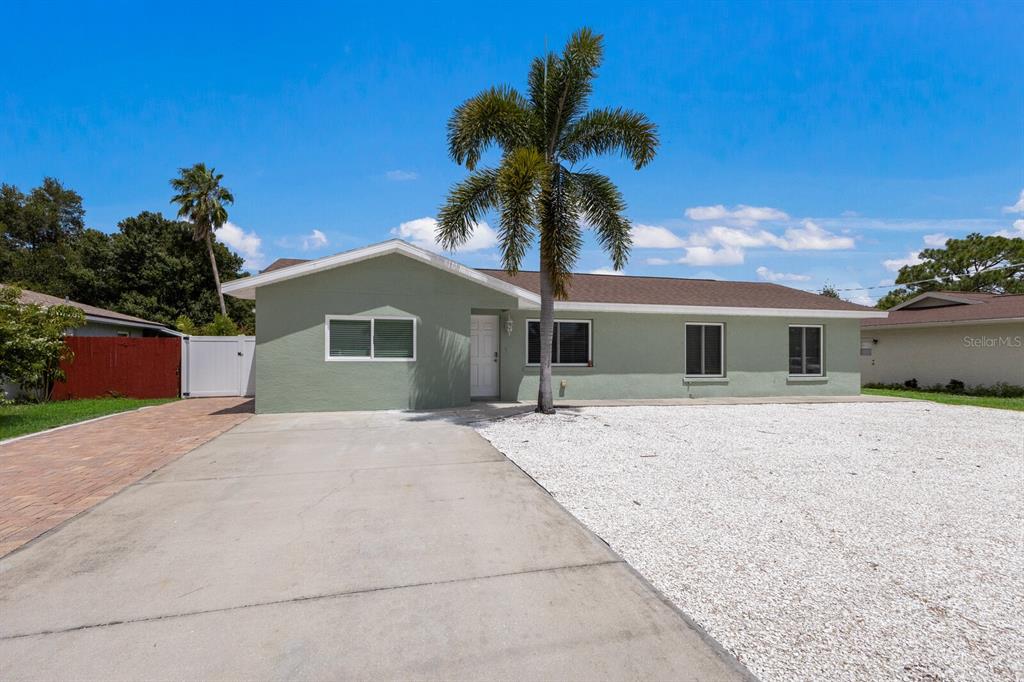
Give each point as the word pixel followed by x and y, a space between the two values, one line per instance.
pixel 99 321
pixel 392 326
pixel 976 338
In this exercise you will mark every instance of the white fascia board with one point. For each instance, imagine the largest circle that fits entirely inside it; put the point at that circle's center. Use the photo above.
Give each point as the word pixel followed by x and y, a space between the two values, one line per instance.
pixel 947 323
pixel 246 287
pixel 655 309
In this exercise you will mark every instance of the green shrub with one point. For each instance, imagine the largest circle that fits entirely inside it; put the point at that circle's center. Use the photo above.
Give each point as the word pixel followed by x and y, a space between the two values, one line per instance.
pixel 997 390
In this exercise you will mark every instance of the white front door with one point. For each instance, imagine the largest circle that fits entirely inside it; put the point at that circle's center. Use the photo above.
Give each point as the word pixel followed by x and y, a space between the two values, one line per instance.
pixel 483 356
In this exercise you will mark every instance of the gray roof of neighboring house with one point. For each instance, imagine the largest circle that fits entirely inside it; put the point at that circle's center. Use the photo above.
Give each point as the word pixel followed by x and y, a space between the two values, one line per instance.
pixel 978 306
pixel 663 290
pixel 91 312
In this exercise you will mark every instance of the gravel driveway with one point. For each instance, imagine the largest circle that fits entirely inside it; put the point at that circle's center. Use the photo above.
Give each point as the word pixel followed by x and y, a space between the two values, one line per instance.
pixel 835 541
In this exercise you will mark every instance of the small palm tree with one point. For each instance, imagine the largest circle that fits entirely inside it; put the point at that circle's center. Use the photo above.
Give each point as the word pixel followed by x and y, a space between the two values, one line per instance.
pixel 201 201
pixel 539 188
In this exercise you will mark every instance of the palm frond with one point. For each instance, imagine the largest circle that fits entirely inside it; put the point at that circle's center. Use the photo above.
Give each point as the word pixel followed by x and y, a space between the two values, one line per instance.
pixel 604 131
pixel 561 240
pixel 570 83
pixel 201 199
pixel 499 116
pixel 601 203
pixel 519 182
pixel 466 204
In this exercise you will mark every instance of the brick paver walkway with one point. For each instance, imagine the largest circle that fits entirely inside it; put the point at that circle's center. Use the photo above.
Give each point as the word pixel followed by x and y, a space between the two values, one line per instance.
pixel 47 479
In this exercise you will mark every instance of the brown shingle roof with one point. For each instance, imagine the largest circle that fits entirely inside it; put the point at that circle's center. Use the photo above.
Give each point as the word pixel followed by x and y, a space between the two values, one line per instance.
pixel 664 290
pixel 46 300
pixel 677 291
pixel 987 307
pixel 284 263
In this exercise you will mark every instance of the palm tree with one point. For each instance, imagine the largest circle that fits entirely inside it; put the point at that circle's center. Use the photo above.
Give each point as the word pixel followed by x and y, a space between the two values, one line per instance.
pixel 201 201
pixel 539 188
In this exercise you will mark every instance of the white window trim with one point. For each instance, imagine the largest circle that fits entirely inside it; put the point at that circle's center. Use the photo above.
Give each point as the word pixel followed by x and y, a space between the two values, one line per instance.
pixel 590 345
pixel 721 350
pixel 822 340
pixel 370 318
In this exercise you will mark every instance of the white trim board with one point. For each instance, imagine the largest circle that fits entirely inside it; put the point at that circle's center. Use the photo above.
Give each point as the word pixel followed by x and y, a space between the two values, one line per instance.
pixel 527 300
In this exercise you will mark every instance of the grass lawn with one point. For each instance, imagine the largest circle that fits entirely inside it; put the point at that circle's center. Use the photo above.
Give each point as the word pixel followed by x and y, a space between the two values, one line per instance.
pixel 17 420
pixel 952 398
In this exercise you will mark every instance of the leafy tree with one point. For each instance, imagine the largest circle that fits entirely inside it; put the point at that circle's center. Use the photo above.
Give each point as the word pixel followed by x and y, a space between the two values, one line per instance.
pixel 222 325
pixel 829 290
pixel 159 273
pixel 32 342
pixel 38 235
pixel 185 325
pixel 201 200
pixel 540 187
pixel 963 265
pixel 151 267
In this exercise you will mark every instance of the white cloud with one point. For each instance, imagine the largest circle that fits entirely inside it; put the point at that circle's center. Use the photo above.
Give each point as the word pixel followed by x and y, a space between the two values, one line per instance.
pixel 1018 226
pixel 862 299
pixel 704 255
pixel 421 231
pixel 401 175
pixel 735 237
pixel 314 240
pixel 655 237
pixel 894 264
pixel 1018 207
pixel 770 276
pixel 937 240
pixel 741 214
pixel 812 237
pixel 247 244
pixel 658 261
pixel 606 271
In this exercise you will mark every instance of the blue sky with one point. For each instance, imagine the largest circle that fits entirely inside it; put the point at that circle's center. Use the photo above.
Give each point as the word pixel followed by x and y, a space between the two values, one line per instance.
pixel 800 142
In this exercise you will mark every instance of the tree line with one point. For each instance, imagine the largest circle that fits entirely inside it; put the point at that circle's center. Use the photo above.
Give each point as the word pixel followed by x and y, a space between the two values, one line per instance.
pixel 154 267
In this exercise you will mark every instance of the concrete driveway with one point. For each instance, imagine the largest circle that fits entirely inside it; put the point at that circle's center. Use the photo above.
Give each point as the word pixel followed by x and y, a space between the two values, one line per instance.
pixel 337 546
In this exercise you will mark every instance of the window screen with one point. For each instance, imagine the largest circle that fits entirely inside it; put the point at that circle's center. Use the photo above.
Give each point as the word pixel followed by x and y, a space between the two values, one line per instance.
pixel 805 351
pixel 703 350
pixel 350 338
pixel 373 338
pixel 392 339
pixel 570 343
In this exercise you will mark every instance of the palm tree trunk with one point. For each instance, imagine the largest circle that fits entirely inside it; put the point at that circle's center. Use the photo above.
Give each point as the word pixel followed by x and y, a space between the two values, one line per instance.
pixel 545 403
pixel 216 274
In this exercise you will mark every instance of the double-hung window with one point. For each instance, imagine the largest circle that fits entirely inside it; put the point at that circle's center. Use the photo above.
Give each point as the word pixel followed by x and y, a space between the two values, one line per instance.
pixel 705 350
pixel 570 343
pixel 806 351
pixel 369 338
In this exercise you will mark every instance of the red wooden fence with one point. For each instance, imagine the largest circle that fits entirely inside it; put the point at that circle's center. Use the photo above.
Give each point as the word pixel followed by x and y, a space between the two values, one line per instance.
pixel 120 366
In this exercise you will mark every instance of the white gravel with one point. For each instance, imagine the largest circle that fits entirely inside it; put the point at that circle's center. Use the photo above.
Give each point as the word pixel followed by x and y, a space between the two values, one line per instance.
pixel 834 541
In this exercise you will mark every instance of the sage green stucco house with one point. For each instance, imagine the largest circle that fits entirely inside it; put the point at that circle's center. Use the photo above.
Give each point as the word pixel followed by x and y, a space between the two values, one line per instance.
pixel 392 326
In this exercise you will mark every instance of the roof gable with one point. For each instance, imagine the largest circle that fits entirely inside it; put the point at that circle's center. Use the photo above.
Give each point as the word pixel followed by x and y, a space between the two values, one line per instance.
pixel 246 286
pixel 981 308
pixel 932 299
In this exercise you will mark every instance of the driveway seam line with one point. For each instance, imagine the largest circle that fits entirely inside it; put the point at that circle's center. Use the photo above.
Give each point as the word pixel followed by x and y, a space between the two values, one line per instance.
pixel 323 471
pixel 306 598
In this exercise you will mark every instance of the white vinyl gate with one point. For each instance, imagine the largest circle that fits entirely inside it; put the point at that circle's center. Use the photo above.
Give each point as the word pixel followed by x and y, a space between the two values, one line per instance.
pixel 217 366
